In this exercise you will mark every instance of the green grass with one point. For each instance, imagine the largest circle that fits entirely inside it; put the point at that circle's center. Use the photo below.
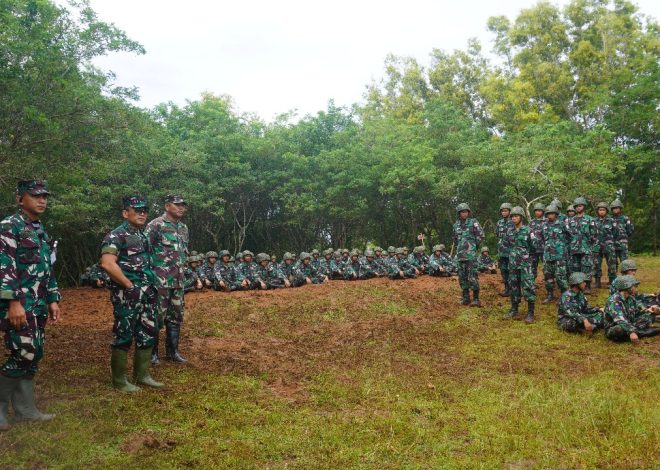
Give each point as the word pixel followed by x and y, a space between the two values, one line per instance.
pixel 365 377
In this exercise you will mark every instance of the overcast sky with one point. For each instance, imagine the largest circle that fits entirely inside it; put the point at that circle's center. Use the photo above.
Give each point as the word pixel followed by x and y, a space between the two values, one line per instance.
pixel 280 55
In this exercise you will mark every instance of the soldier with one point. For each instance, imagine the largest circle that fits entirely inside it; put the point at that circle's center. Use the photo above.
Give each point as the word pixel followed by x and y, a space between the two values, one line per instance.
pixel 406 251
pixel 625 318
pixel 536 228
pixel 503 230
pixel 316 258
pixel 269 273
pixel 248 271
pixel 352 268
pixel 28 297
pixel 401 268
pixel 623 229
pixel 289 269
pixel 468 235
pixel 604 248
pixel 391 256
pixel 521 278
pixel 208 268
pixel 307 273
pixel 126 257
pixel 380 262
pixel 191 281
pixel 583 236
pixel 238 259
pixel 168 239
pixel 370 268
pixel 573 311
pixel 419 259
pixel 555 237
pixel 629 268
pixel 324 265
pixel 438 262
pixel 570 211
pixel 337 266
pixel 486 263
pixel 226 274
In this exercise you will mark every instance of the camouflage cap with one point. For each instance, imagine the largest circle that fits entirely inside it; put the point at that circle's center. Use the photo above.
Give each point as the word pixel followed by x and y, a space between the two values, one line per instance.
pixel 211 254
pixel 484 249
pixel 134 201
pixel 551 209
pixel 518 211
pixel 505 205
pixel 577 278
pixel 625 282
pixel 224 253
pixel 628 265
pixel 539 207
pixel 616 203
pixel 174 199
pixel 33 187
pixel 580 201
pixel 603 205
pixel 262 257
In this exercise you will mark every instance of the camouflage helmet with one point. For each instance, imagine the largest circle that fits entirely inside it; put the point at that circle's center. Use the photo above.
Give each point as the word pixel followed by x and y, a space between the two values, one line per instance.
pixel 211 254
pixel 442 247
pixel 238 255
pixel 327 252
pixel 248 253
pixel 551 209
pixel 539 207
pixel 262 257
pixel 577 278
pixel 628 265
pixel 224 253
pixel 337 254
pixel 331 250
pixel 315 252
pixel 463 207
pixel 369 253
pixel 398 251
pixel 484 249
pixel 602 205
pixel 391 249
pixel 438 247
pixel 304 255
pixel 405 248
pixel 377 249
pixel 287 256
pixel 518 211
pixel 354 252
pixel 617 203
pixel 505 205
pixel 625 282
pixel 231 259
pixel 570 208
pixel 580 201
pixel 193 253
pixel 557 203
pixel 416 250
pixel 344 251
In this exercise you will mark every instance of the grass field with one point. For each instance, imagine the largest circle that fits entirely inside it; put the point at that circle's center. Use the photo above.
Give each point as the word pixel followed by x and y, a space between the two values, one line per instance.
pixel 376 374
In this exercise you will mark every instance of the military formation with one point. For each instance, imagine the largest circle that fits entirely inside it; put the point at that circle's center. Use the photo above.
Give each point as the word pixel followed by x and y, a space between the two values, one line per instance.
pixel 148 268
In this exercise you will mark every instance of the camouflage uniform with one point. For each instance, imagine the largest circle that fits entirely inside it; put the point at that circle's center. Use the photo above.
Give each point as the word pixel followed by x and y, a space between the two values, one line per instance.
pixel 226 272
pixel 583 236
pixel 208 269
pixel 419 259
pixel 269 274
pixel 623 229
pixel 485 262
pixel 503 230
pixel 604 248
pixel 440 263
pixel 521 277
pixel 307 270
pixel 369 267
pixel 573 309
pixel 249 271
pixel 190 277
pixel 401 265
pixel 324 265
pixel 536 229
pixel 624 316
pixel 468 235
pixel 352 268
pixel 555 239
pixel 337 266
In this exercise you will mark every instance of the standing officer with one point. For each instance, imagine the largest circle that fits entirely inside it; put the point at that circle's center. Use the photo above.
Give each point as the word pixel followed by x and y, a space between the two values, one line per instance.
pixel 468 235
pixel 583 237
pixel 168 238
pixel 503 230
pixel 126 257
pixel 28 296
pixel 623 229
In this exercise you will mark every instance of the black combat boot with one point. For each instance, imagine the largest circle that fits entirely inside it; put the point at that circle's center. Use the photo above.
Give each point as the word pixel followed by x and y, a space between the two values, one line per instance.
pixel 550 297
pixel 465 300
pixel 649 333
pixel 530 312
pixel 475 299
pixel 513 311
pixel 507 291
pixel 597 284
pixel 173 331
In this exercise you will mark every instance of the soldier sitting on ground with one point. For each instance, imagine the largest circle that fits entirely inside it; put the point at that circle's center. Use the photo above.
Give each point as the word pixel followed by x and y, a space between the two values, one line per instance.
pixel 369 267
pixel 573 311
pixel 625 318
pixel 307 273
pixel 486 263
pixel 629 267
pixel 401 268
pixel 419 259
pixel 269 273
pixel 226 275
pixel 208 268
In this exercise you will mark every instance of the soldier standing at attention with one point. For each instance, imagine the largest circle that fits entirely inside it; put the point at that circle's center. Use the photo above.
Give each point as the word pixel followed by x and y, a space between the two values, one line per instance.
pixel 503 230
pixel 28 296
pixel 583 236
pixel 536 228
pixel 555 237
pixel 126 257
pixel 168 238
pixel 521 277
pixel 623 229
pixel 468 235
pixel 604 248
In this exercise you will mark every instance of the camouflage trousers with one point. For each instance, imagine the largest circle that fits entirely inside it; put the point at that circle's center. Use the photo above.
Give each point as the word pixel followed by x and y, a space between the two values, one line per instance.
pixel 25 347
pixel 535 258
pixel 503 264
pixel 274 283
pixel 555 271
pixel 621 253
pixel 618 334
pixel 610 258
pixel 433 271
pixel 521 283
pixel 582 263
pixel 136 317
pixel 468 275
pixel 170 306
pixel 571 325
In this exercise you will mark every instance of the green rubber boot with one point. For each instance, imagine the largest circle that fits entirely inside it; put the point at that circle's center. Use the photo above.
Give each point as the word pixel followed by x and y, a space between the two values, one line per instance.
pixel 118 366
pixel 7 386
pixel 23 401
pixel 141 364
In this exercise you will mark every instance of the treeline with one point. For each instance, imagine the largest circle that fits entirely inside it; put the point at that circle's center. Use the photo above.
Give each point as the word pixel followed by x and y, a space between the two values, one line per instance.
pixel 568 108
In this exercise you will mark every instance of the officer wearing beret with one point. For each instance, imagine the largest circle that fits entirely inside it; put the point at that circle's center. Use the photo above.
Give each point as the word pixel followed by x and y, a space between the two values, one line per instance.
pixel 28 296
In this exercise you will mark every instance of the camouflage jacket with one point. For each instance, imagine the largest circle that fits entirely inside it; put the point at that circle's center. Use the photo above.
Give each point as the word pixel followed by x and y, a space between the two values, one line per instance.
pixel 622 228
pixel 369 269
pixel 190 278
pixel 226 272
pixel 270 273
pixel 309 271
pixel 352 268
pixel 583 233
pixel 555 240
pixel 622 312
pixel 249 271
pixel 26 271
pixel 199 271
pixel 131 246
pixel 605 234
pixel 443 261
pixel 96 273
pixel 337 267
pixel 169 248
pixel 209 270
pixel 419 261
pixel 468 236
pixel 522 245
pixel 503 230
pixel 574 306
pixel 485 261
pixel 402 265
pixel 325 266
pixel 536 228
pixel 289 270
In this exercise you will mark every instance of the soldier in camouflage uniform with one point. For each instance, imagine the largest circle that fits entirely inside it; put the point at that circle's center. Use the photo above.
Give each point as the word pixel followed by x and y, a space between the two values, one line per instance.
pixel 352 268
pixel 625 318
pixel 583 236
pixel 536 228
pixel 468 235
pixel 226 275
pixel 191 280
pixel 486 263
pixel 28 296
pixel 370 268
pixel 391 257
pixel 307 273
pixel 555 246
pixel 269 273
pixel 629 268
pixel 127 258
pixel 439 263
pixel 324 264
pixel 168 239
pixel 248 271
pixel 419 259
pixel 290 270
pixel 238 259
pixel 401 268
pixel 337 266
pixel 380 261
pixel 604 248
pixel 521 278
pixel 503 230
pixel 573 311
pixel 623 229
pixel 208 268
pixel 316 258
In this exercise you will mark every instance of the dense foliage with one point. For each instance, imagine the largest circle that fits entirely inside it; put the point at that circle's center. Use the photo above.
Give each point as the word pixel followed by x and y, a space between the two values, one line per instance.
pixel 568 108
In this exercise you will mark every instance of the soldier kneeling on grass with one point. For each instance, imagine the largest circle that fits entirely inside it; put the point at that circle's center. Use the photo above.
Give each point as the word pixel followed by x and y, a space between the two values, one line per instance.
pixel 625 318
pixel 573 311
